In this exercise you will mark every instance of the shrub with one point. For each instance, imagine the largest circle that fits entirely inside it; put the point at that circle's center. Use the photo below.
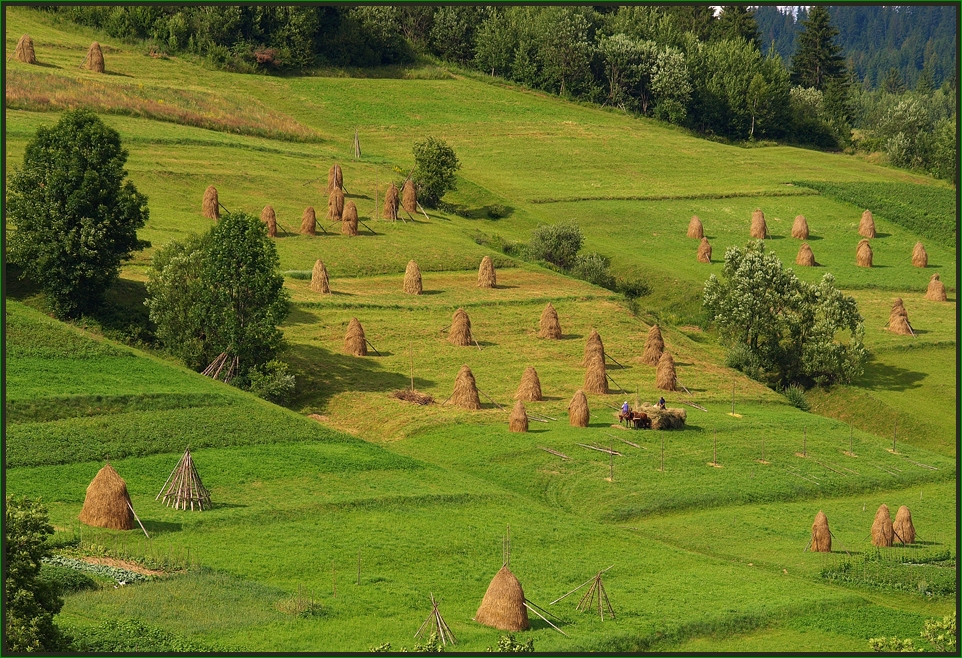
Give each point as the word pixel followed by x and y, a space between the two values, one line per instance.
pixel 594 268
pixel 497 211
pixel 271 381
pixel 435 164
pixel 557 244
pixel 507 644
pixel 796 397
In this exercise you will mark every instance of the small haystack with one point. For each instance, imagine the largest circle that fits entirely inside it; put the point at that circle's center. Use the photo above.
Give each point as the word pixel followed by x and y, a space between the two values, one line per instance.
pixel 354 341
pixel 412 279
pixel 335 178
pixel 184 487
pixel 670 418
pixel 24 52
pixel 107 503
pixel 899 319
pixel 391 203
pixel 593 346
pixel 665 378
pixel 578 414
pixel 936 289
pixel 863 254
pixel 759 229
pixel 409 197
pixel 821 535
pixel 269 218
pixel 503 604
pixel 695 229
pixel 654 346
pixel 349 219
pixel 866 227
pixel 550 326
pixel 704 251
pixel 465 390
pixel 518 422
pixel 919 256
pixel 460 333
pixel 210 207
pixel 309 221
pixel 596 377
pixel 486 275
pixel 95 58
pixel 335 205
pixel 800 228
pixel 882 527
pixel 902 530
pixel 530 388
pixel 805 256
pixel 319 281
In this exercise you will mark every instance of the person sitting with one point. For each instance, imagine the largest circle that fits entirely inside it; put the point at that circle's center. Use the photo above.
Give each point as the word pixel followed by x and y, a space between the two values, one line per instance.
pixel 661 403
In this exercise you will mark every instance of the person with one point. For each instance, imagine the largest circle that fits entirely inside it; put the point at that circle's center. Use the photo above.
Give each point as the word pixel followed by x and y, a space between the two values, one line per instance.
pixel 625 409
pixel 661 402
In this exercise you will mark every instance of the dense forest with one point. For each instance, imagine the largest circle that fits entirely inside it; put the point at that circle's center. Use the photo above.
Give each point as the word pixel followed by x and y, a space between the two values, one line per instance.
pixel 857 77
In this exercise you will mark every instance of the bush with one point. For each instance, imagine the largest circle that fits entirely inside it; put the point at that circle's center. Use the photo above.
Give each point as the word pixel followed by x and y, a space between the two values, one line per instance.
pixel 64 580
pixel 435 164
pixel 557 244
pixel 271 381
pixel 796 397
pixel 594 268
pixel 507 644
pixel 497 211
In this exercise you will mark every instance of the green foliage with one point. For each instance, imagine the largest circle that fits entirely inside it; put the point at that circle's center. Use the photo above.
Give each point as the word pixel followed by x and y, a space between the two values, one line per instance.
pixel 435 166
pixel 133 635
pixel 929 576
pixel 941 634
pixel 65 580
pixel 119 574
pixel 272 381
pixel 817 58
pixel 796 397
pixel 595 269
pixel 432 645
pixel 557 244
pixel 892 645
pixel 76 216
pixel 508 644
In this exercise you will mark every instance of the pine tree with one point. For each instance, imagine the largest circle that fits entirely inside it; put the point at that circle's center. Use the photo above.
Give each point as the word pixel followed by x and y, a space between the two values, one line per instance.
pixel 737 22
pixel 817 59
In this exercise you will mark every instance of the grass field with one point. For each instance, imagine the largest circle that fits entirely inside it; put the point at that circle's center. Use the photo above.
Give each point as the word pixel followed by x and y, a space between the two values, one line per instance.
pixel 383 502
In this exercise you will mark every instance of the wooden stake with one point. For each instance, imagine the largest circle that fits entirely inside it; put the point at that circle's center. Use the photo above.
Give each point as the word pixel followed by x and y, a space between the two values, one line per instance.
pixel 138 519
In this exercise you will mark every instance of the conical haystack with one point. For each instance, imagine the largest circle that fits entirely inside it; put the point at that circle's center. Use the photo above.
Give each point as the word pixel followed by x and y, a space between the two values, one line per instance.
pixel 550 326
pixel 503 604
pixel 821 536
pixel 107 504
pixel 882 527
pixel 518 422
pixel 269 218
pixel 391 202
pixel 210 207
pixel 805 256
pixel 409 197
pixel 354 341
pixel 95 58
pixel 919 256
pixel 309 221
pixel 578 414
pixel 899 319
pixel 460 333
pixel 759 229
pixel 863 254
pixel 530 388
pixel 465 390
pixel 898 309
pixel 596 376
pixel 866 227
pixel 335 205
pixel 349 219
pixel 665 378
pixel 319 281
pixel 24 52
pixel 695 229
pixel 902 530
pixel 486 275
pixel 335 178
pixel 412 279
pixel 654 346
pixel 800 228
pixel 184 487
pixel 936 289
pixel 593 346
pixel 704 251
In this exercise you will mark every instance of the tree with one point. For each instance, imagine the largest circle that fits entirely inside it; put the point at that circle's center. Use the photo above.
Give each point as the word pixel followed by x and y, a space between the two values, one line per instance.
pixel 817 58
pixel 435 164
pixel 557 244
pixel 737 22
pixel 893 83
pixel 565 48
pixel 76 216
pixel 30 603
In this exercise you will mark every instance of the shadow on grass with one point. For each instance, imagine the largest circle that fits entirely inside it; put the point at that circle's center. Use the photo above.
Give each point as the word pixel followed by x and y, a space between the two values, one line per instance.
pixel 883 376
pixel 161 527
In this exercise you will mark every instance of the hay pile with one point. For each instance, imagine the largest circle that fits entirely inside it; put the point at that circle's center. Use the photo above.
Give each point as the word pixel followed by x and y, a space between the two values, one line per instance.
pixel 669 418
pixel 665 378
pixel 936 289
pixel 899 319
pixel 335 205
pixel 503 604
pixel 695 229
pixel 413 396
pixel 486 275
pixel 460 333
pixel 210 207
pixel 919 256
pixel 107 503
pixel 465 390
pixel 354 341
pixel 550 327
pixel 269 218
pixel 593 347
pixel 518 422
pixel 409 197
pixel 902 529
pixel 529 389
pixel 390 203
pixel 309 221
pixel 335 178
pixel 863 254
pixel 319 282
pixel 24 52
pixel 654 346
pixel 821 535
pixel 805 256
pixel 95 58
pixel 882 527
pixel 349 220
pixel 800 228
pixel 704 251
pixel 412 279
pixel 759 229
pixel 866 227
pixel 596 377
pixel 578 414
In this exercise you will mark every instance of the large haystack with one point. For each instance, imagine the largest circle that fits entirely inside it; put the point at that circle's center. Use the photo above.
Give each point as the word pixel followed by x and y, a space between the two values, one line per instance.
pixel 409 197
pixel 593 346
pixel 107 504
pixel 518 422
pixel 412 279
pixel 24 52
pixel 919 256
pixel 486 275
pixel 210 207
pixel 704 251
pixel 899 319
pixel 805 256
pixel 936 289
pixel 354 341
pixel 654 346
pixel 529 389
pixel 695 229
pixel 863 254
pixel 503 604
pixel 95 58
pixel 882 527
pixel 821 535
pixel 319 280
pixel 349 219
pixel 902 530
pixel 460 333
pixel 335 178
pixel 335 205
pixel 866 227
pixel 550 327
pixel 309 221
pixel 596 377
pixel 665 378
pixel 800 228
pixel 578 414
pixel 759 229
pixel 269 218
pixel 670 418
pixel 465 390
pixel 391 203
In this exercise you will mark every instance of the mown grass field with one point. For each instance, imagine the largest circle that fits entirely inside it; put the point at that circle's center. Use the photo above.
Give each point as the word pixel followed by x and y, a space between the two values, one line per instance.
pixel 706 559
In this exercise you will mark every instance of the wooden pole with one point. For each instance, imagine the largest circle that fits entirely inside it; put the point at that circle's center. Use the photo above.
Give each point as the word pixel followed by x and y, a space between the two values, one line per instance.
pixel 138 519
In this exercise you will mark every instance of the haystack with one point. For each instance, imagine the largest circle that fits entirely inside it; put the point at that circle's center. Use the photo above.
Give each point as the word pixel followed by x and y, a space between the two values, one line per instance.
pixel 919 257
pixel 936 289
pixel 335 178
pixel 898 309
pixel 349 219
pixel 665 378
pixel 704 251
pixel 409 197
pixel 654 346
pixel 530 388
pixel 902 529
pixel 863 254
pixel 107 504
pixel 669 418
pixel 210 207
pixel 695 229
pixel 821 535
pixel 184 487
pixel 95 58
pixel 866 227
pixel 465 390
pixel 899 319
pixel 550 326
pixel 518 422
pixel 335 205
pixel 759 229
pixel 578 414
pixel 269 218
pixel 354 341
pixel 24 52
pixel 596 376
pixel 390 203
pixel 800 228
pixel 412 279
pixel 486 275
pixel 593 346
pixel 805 256
pixel 309 221
pixel 882 527
pixel 319 281
pixel 460 333
pixel 503 604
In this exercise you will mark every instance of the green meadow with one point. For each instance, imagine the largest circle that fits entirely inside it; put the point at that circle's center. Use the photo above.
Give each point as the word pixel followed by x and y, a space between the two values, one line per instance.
pixel 339 512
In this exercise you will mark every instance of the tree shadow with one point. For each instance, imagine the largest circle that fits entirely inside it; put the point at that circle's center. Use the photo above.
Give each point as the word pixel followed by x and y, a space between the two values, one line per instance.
pixel 501 286
pixel 883 376
pixel 161 527
pixel 571 336
pixel 297 315
pixel 814 238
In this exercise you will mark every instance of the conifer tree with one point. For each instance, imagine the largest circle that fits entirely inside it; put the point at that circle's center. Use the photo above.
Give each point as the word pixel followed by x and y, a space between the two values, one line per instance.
pixel 817 59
